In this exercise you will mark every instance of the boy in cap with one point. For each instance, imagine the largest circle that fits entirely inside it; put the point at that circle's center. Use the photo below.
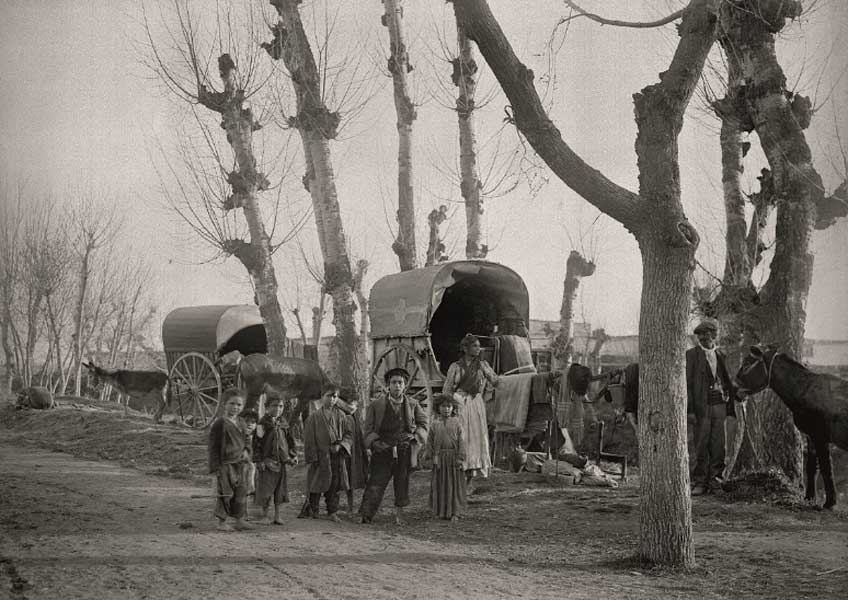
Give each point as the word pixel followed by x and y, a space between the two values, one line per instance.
pixel 228 462
pixel 327 437
pixel 274 449
pixel 710 394
pixel 394 423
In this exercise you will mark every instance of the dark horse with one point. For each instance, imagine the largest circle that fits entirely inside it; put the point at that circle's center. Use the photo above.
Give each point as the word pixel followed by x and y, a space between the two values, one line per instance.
pixel 819 405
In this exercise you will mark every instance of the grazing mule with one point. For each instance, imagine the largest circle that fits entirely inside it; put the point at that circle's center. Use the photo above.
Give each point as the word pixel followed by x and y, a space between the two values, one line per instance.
pixel 290 377
pixel 148 387
pixel 819 405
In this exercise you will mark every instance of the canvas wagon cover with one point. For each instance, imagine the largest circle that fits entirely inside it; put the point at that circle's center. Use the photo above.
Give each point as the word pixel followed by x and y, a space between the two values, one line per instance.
pixel 206 328
pixel 402 304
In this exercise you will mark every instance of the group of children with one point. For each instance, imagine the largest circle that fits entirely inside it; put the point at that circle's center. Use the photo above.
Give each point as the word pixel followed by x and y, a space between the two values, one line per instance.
pixel 248 456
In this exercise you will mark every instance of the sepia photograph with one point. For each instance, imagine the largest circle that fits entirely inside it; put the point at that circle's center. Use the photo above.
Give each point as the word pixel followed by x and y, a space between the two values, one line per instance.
pixel 423 299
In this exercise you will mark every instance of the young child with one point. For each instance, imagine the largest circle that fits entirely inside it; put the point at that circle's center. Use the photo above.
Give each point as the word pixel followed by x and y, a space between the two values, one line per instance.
pixel 357 461
pixel 445 440
pixel 274 449
pixel 228 458
pixel 327 436
pixel 250 419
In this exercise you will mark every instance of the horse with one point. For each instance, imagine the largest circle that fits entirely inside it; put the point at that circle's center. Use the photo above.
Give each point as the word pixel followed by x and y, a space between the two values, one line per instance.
pixel 819 405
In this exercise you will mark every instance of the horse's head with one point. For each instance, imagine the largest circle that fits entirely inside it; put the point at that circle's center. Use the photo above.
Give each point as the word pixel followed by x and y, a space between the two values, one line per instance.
pixel 755 372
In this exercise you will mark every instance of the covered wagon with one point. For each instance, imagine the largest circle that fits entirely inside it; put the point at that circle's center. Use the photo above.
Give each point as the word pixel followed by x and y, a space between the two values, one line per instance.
pixel 418 318
pixel 194 338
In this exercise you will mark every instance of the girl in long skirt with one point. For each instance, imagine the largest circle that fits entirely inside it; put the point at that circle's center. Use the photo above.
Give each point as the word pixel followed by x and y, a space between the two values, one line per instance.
pixel 467 380
pixel 445 440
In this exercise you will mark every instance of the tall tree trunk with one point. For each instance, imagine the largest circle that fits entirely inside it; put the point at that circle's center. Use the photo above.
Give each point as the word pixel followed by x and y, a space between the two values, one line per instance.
pixel 364 382
pixel 576 268
pixel 79 314
pixel 749 29
pixel 399 66
pixel 247 182
pixel 8 354
pixel 317 126
pixel 318 319
pixel 55 334
pixel 464 77
pixel 435 245
pixel 667 242
pixel 299 322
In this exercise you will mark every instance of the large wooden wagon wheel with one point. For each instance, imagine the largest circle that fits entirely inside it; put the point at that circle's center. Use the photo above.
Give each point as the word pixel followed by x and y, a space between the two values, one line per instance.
pixel 405 357
pixel 195 389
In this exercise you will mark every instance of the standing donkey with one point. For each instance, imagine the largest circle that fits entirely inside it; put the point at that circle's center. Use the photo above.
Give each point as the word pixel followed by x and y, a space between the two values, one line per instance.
pixel 819 405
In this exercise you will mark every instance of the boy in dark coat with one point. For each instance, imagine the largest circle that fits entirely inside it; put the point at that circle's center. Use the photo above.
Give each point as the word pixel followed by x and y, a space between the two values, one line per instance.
pixel 357 462
pixel 327 437
pixel 274 449
pixel 395 427
pixel 228 461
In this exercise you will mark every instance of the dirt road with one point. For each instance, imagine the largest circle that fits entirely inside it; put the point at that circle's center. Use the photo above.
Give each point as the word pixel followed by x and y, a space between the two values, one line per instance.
pixel 73 528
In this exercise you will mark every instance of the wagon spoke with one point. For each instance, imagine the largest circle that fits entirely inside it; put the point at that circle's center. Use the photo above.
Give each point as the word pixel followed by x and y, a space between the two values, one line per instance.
pixel 192 363
pixel 210 400
pixel 181 374
pixel 415 372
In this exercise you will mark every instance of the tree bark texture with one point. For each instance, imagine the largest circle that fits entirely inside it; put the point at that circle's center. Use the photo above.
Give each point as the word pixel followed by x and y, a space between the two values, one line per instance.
pixel 363 384
pixel 435 245
pixel 399 67
pixel 317 126
pixel 246 181
pixel 667 242
pixel 79 313
pixel 749 29
pixel 464 77
pixel 576 268
pixel 54 331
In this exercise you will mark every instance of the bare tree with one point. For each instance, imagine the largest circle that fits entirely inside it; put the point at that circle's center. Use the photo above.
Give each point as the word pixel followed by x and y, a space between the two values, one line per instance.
pixel 186 74
pixel 317 125
pixel 666 239
pixel 464 77
pixel 757 100
pixel 94 224
pixel 399 67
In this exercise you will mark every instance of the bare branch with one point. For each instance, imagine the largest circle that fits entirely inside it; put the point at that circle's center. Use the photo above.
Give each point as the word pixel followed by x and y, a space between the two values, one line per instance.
pixel 580 12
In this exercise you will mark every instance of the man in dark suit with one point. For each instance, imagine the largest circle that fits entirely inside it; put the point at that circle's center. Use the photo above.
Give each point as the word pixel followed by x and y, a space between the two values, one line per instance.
pixel 395 428
pixel 710 394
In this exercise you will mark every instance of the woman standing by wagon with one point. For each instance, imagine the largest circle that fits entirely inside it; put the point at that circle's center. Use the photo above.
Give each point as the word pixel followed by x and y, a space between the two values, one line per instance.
pixel 467 379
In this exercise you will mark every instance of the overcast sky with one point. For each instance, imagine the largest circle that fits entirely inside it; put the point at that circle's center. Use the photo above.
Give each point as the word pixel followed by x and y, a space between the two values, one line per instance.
pixel 79 108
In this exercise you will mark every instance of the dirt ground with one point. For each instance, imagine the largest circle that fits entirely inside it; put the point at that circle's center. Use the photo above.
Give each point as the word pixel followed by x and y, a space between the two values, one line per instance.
pixel 97 505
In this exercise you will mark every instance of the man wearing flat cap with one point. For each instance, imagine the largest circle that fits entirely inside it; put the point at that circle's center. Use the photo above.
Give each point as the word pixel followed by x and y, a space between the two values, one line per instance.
pixel 395 428
pixel 710 394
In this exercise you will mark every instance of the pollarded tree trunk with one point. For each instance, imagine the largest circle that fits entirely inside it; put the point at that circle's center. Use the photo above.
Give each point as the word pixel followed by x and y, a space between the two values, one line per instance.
pixel 399 66
pixel 749 29
pixel 435 245
pixel 576 268
pixel 363 385
pixel 464 77
pixel 667 242
pixel 317 126
pixel 247 182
